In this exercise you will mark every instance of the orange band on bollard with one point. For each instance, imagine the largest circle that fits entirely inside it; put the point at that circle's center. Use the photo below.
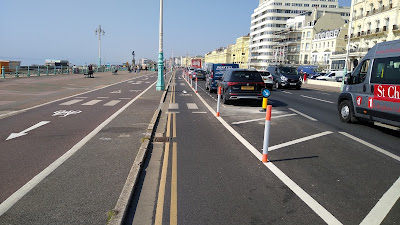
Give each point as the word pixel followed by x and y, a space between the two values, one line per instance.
pixel 265 158
pixel 219 90
pixel 268 115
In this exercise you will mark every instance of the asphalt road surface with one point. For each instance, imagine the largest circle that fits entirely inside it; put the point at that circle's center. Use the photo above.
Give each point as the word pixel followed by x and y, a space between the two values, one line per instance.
pixel 66 162
pixel 320 170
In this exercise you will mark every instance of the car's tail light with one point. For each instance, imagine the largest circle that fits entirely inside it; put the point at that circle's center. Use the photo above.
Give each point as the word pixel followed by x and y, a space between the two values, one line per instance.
pixel 233 83
pixel 212 74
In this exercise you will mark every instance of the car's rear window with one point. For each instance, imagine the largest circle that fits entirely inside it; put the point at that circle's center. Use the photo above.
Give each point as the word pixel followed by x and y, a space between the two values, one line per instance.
pixel 264 73
pixel 246 76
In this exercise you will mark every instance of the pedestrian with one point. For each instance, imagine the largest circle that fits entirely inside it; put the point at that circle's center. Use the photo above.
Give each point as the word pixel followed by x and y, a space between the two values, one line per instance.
pixel 305 78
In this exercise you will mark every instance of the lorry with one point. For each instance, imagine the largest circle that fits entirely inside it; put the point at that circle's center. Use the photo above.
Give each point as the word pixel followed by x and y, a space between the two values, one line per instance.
pixel 217 70
pixel 196 63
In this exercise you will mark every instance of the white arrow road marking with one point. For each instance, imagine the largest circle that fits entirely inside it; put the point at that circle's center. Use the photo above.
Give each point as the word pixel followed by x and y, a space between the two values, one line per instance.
pixel 116 92
pixel 24 132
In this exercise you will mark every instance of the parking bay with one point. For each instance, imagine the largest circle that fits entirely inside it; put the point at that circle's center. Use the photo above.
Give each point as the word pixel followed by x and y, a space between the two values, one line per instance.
pixel 346 177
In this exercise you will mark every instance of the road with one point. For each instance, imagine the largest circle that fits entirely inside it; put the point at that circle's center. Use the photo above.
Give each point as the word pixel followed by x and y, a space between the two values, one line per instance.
pixel 320 170
pixel 66 162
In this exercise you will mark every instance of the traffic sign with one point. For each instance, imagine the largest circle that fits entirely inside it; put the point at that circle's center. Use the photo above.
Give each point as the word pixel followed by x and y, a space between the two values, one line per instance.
pixel 266 93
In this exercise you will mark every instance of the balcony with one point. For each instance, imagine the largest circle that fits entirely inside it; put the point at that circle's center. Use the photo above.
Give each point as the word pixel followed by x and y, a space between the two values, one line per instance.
pixel 395 28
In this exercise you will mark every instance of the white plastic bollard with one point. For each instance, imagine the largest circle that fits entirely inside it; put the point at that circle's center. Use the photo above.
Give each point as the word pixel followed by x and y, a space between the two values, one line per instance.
pixel 266 134
pixel 219 100
pixel 196 84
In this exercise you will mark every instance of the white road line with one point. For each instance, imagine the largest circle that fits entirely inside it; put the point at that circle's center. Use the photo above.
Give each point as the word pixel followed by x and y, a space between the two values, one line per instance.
pixel 376 148
pixel 299 140
pixel 103 97
pixel 287 92
pixel 57 100
pixel 72 102
pixel 192 106
pixel 384 205
pixel 302 114
pixel 199 112
pixel 182 84
pixel 92 102
pixel 173 106
pixel 125 98
pixel 304 196
pixel 14 198
pixel 323 93
pixel 272 117
pixel 321 100
pixel 112 103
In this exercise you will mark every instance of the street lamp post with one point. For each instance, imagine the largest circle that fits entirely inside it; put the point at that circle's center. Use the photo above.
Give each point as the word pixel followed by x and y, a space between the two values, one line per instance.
pixel 100 32
pixel 160 81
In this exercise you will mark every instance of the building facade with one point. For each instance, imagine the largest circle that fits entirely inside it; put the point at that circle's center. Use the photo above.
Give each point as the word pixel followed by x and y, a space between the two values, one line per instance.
pixel 271 16
pixel 372 21
pixel 236 53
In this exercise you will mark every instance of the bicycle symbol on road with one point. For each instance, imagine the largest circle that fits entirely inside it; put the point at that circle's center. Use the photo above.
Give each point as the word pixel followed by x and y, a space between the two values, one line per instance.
pixel 64 113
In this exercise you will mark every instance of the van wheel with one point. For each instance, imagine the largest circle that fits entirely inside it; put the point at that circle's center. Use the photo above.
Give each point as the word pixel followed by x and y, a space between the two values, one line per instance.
pixel 346 112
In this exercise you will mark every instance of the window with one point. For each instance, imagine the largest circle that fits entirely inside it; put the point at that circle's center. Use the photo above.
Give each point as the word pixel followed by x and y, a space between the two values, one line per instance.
pixel 360 73
pixel 386 71
pixel 307 46
pixel 308 34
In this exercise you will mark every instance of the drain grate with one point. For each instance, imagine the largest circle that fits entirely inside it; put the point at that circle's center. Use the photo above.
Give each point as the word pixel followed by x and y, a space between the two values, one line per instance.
pixel 161 139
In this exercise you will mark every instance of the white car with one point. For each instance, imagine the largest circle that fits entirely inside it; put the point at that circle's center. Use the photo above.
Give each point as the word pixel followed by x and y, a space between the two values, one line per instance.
pixel 268 79
pixel 331 76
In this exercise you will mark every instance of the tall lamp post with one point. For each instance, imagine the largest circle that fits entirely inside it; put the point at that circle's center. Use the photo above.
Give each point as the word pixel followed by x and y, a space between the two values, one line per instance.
pixel 100 32
pixel 160 81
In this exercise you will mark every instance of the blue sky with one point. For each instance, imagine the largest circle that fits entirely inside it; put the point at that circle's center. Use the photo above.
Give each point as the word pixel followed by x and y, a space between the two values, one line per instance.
pixel 33 31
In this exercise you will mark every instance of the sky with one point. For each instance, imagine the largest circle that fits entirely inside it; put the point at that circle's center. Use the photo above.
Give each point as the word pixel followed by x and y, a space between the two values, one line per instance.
pixel 36 30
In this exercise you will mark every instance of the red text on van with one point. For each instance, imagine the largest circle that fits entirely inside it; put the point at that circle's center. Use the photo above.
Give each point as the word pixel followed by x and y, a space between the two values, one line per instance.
pixel 389 93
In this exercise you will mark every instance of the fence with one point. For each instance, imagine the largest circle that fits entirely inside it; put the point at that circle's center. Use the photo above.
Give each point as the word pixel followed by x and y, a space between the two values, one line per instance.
pixel 28 71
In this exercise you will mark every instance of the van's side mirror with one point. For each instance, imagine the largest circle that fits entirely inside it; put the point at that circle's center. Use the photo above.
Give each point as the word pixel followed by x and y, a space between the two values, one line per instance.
pixel 347 80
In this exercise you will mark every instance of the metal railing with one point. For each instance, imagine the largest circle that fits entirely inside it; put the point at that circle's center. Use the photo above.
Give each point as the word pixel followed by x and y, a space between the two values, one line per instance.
pixel 28 71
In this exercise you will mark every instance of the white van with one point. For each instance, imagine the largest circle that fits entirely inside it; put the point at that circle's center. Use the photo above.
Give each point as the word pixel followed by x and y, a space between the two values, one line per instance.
pixel 372 91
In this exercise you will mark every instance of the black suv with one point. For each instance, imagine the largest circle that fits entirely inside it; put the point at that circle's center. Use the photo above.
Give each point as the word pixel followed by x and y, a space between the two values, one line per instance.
pixel 241 84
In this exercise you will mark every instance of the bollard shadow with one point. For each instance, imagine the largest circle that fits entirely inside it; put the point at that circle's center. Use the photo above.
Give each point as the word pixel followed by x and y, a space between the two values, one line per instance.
pixel 277 103
pixel 297 158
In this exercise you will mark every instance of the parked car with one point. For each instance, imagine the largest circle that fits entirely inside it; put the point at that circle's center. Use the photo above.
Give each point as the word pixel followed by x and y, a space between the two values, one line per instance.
pixel 331 76
pixel 285 76
pixel 200 74
pixel 316 75
pixel 309 70
pixel 239 84
pixel 340 79
pixel 191 71
pixel 268 79
pixel 371 92
pixel 217 70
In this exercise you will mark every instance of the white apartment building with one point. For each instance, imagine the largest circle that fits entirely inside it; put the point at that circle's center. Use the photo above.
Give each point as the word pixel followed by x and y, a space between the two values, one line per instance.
pixel 373 21
pixel 271 16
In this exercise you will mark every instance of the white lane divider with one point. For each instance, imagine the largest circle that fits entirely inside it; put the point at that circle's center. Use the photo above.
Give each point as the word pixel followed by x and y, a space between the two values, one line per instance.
pixel 273 117
pixel 112 103
pixel 384 205
pixel 72 102
pixel 376 148
pixel 299 140
pixel 92 102
pixel 321 100
pixel 304 196
pixel 302 114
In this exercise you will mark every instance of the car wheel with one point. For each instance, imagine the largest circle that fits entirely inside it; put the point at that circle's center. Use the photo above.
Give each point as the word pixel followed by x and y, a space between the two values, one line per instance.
pixel 223 99
pixel 298 87
pixel 346 112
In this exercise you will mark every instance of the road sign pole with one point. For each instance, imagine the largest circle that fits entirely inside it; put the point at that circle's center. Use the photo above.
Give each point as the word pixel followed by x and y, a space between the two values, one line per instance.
pixel 266 134
pixel 219 100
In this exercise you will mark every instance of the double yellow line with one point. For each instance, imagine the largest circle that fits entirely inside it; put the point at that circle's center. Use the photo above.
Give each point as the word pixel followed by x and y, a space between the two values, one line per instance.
pixel 163 181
